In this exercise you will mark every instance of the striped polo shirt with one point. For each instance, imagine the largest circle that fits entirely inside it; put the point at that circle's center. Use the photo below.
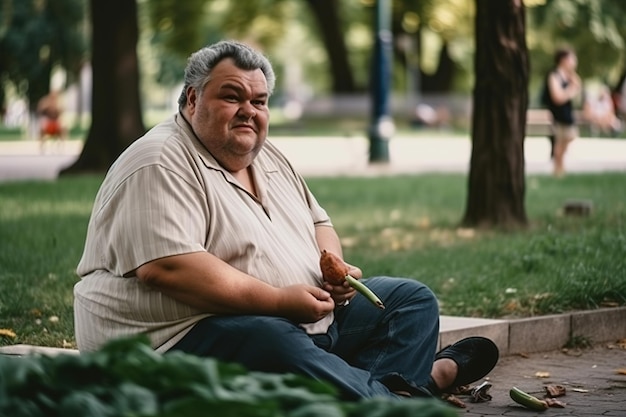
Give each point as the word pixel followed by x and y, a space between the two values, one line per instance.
pixel 166 195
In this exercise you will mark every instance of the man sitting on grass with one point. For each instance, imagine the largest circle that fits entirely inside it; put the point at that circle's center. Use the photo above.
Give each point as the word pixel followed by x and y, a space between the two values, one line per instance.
pixel 205 238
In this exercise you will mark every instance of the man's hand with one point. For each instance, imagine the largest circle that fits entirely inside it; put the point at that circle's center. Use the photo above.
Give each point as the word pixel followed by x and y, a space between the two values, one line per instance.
pixel 209 284
pixel 344 292
pixel 304 303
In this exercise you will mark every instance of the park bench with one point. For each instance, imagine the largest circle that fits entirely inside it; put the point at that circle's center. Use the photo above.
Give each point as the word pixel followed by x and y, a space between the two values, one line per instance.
pixel 539 122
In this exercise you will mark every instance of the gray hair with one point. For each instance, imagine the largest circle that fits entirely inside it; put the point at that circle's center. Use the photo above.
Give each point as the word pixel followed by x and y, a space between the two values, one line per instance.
pixel 201 63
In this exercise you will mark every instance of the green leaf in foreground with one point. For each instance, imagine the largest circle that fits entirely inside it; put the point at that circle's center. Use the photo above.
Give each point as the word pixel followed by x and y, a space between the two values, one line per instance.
pixel 127 378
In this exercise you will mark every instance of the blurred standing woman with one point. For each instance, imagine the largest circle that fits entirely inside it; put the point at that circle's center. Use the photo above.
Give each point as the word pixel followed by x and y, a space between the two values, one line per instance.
pixel 563 85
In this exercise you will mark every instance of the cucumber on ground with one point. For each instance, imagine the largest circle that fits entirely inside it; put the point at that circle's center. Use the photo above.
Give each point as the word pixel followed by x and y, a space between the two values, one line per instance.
pixel 527 400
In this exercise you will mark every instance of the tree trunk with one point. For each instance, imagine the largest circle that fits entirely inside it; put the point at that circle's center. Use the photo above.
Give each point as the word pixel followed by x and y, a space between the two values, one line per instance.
pixel 327 17
pixel 496 187
pixel 116 107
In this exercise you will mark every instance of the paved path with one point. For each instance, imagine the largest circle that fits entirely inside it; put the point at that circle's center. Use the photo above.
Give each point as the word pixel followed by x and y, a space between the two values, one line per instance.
pixel 594 387
pixel 325 156
pixel 26 160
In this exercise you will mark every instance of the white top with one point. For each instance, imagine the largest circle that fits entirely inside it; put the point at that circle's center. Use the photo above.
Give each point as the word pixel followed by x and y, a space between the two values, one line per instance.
pixel 166 195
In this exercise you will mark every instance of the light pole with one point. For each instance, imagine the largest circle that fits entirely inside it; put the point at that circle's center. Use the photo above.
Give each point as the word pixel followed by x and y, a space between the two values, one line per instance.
pixel 382 126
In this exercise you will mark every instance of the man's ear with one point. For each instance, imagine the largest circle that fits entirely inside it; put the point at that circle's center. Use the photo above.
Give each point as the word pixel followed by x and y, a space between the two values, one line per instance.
pixel 192 98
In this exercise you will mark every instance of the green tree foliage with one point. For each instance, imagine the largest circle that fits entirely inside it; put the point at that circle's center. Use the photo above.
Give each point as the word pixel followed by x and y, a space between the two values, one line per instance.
pixel 36 36
pixel 179 32
pixel 342 31
pixel 331 30
pixel 264 23
pixel 450 24
pixel 176 30
pixel 594 28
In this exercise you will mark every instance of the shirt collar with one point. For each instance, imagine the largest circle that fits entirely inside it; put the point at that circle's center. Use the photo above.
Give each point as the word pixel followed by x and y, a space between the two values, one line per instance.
pixel 261 164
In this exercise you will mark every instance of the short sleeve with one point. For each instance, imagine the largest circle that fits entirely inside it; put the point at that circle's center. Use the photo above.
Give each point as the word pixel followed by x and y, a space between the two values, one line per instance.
pixel 154 213
pixel 318 214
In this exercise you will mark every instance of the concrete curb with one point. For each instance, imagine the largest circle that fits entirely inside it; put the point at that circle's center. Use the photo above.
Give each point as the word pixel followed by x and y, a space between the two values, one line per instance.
pixel 527 335
pixel 25 350
pixel 540 334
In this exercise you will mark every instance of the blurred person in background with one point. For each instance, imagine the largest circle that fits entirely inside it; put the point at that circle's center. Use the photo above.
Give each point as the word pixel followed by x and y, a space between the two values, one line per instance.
pixel 599 111
pixel 563 86
pixel 49 111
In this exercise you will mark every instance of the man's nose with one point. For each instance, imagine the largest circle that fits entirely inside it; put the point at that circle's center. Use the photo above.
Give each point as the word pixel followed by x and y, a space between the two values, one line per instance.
pixel 247 110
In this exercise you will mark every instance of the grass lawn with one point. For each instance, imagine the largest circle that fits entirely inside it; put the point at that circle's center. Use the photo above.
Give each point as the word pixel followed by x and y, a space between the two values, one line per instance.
pixel 398 226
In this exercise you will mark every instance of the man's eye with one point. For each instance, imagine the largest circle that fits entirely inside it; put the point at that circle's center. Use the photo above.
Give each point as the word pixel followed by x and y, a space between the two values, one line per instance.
pixel 231 99
pixel 259 103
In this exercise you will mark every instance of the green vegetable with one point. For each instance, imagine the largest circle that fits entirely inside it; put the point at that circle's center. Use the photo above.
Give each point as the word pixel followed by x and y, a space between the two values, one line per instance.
pixel 527 400
pixel 361 288
pixel 127 378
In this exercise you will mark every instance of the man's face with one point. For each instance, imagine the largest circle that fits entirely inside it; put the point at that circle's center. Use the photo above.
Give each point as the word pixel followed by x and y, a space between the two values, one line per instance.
pixel 231 115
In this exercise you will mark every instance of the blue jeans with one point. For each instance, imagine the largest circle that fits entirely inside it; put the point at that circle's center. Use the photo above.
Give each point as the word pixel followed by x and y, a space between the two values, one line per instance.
pixel 366 352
